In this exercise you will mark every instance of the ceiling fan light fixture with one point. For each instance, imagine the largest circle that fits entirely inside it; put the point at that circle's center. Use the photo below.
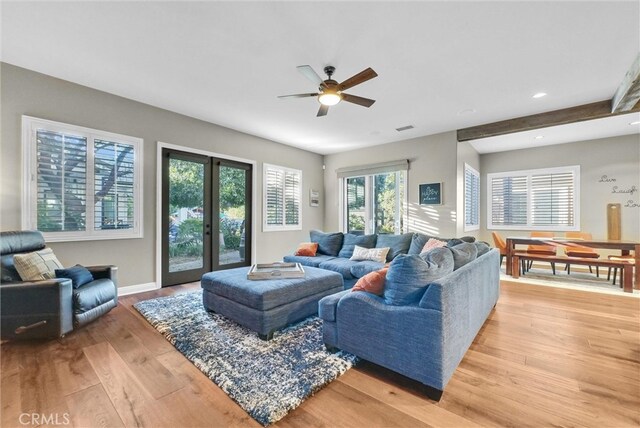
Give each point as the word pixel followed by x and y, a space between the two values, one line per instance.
pixel 329 98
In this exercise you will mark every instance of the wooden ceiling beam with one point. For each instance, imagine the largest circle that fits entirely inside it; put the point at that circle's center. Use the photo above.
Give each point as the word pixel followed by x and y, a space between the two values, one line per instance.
pixel 628 93
pixel 597 110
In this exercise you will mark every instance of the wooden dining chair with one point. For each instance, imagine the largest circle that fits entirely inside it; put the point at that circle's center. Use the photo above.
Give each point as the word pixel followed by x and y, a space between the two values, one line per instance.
pixel 543 249
pixel 580 250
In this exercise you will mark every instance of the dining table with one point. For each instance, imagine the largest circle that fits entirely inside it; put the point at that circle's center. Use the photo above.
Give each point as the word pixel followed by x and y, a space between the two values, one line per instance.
pixel 625 248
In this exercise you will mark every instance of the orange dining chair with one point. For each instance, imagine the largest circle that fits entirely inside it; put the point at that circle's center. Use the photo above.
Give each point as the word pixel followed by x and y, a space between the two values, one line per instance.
pixel 500 245
pixel 580 250
pixel 549 250
pixel 628 258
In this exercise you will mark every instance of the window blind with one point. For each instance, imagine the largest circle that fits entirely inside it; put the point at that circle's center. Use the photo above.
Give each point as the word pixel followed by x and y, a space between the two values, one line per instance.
pixel 542 199
pixel 283 198
pixel 114 186
pixel 471 198
pixel 61 181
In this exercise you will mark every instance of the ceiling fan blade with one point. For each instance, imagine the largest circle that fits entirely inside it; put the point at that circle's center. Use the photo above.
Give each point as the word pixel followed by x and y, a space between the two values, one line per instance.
pixel 299 95
pixel 310 74
pixel 323 110
pixel 364 102
pixel 359 78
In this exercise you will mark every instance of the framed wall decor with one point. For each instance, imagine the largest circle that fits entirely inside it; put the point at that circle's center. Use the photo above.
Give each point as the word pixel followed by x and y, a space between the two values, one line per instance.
pixel 314 198
pixel 431 194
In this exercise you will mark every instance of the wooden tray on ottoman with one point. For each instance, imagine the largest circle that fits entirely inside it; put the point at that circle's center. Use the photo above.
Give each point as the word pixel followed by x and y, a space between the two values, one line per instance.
pixel 278 270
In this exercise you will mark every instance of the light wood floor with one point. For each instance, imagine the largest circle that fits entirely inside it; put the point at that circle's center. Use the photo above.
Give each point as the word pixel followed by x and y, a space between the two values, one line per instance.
pixel 545 357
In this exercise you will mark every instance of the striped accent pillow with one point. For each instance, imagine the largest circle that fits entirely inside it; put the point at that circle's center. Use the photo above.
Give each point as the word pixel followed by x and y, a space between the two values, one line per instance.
pixel 37 265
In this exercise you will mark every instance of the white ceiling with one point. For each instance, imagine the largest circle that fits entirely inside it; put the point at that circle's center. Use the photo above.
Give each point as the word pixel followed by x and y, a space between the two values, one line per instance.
pixel 225 62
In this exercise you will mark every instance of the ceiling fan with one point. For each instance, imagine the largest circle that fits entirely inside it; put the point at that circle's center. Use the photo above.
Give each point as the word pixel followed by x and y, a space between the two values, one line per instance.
pixel 330 92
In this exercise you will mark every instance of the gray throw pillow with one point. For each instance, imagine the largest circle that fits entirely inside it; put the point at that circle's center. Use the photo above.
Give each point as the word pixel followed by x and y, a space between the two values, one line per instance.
pixel 482 247
pixel 463 254
pixel 398 244
pixel 351 240
pixel 409 276
pixel 329 244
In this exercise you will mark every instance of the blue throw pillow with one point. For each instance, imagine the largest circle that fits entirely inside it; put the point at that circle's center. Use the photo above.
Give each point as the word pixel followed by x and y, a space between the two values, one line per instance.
pixel 79 275
pixel 398 244
pixel 351 240
pixel 417 243
pixel 409 276
pixel 329 244
pixel 463 254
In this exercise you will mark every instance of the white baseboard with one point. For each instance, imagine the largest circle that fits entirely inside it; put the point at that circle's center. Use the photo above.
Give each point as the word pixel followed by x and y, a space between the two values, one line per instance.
pixel 138 288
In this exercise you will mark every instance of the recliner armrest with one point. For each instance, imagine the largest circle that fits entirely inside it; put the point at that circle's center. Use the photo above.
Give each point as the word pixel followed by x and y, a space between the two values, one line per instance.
pixel 105 271
pixel 34 285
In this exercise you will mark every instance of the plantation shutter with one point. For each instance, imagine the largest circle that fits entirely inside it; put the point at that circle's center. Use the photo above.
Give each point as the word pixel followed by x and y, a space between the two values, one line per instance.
pixel 274 196
pixel 61 165
pixel 471 197
pixel 114 185
pixel 552 198
pixel 509 201
pixel 292 198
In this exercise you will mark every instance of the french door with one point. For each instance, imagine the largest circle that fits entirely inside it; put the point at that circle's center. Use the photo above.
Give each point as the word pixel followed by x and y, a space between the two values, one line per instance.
pixel 206 215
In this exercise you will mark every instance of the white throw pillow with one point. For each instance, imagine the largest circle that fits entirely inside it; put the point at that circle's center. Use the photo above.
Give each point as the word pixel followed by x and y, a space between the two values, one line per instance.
pixel 374 254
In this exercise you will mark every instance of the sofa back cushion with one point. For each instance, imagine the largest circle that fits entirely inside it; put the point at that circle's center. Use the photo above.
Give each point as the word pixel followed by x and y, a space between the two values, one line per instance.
pixel 463 254
pixel 398 244
pixel 410 275
pixel 351 240
pixel 482 247
pixel 329 244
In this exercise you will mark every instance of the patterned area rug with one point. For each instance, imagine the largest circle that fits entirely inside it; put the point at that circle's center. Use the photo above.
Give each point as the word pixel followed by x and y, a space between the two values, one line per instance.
pixel 267 379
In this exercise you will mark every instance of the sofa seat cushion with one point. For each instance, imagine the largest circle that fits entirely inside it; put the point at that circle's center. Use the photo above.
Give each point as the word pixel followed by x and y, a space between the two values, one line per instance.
pixel 362 268
pixel 398 244
pixel 93 294
pixel 351 240
pixel 308 261
pixel 329 244
pixel 340 265
pixel 409 276
pixel 264 295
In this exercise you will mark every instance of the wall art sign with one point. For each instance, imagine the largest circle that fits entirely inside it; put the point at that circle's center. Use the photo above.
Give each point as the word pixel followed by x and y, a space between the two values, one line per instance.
pixel 314 198
pixel 431 194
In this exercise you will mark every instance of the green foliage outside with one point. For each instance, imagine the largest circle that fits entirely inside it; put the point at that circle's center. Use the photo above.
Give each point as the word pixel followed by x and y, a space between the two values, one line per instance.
pixel 189 241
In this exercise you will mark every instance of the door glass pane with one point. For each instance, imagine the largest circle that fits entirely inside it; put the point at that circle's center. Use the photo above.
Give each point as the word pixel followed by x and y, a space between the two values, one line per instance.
pixel 356 205
pixel 186 226
pixel 388 194
pixel 233 194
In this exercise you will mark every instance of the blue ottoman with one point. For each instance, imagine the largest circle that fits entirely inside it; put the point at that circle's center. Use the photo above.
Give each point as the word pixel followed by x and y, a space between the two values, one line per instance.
pixel 268 305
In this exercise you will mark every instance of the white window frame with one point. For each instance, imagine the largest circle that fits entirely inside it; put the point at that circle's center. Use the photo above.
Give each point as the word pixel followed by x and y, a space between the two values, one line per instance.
pixel 476 174
pixel 575 169
pixel 369 221
pixel 30 126
pixel 282 227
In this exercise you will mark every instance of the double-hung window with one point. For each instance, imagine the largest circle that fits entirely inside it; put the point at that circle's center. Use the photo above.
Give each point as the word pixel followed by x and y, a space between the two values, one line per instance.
pixel 282 198
pixel 540 199
pixel 80 183
pixel 471 199
pixel 374 198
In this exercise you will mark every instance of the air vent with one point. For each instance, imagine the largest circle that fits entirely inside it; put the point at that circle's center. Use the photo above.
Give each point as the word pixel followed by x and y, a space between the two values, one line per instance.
pixel 404 128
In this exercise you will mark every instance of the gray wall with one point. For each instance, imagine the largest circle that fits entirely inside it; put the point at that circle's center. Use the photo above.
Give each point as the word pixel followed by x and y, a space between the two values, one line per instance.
pixel 432 159
pixel 38 95
pixel 616 157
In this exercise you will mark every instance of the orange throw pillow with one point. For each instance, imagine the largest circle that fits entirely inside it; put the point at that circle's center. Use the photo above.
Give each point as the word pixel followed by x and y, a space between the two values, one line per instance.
pixel 372 282
pixel 308 249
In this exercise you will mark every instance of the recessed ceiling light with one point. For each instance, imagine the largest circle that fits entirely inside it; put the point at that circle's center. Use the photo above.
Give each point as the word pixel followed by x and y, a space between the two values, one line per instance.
pixel 539 95
pixel 539 137
pixel 637 122
pixel 466 111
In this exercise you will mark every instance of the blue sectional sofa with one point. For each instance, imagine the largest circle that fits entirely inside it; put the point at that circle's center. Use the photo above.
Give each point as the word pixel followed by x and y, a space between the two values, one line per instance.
pixel 425 334
pixel 335 249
